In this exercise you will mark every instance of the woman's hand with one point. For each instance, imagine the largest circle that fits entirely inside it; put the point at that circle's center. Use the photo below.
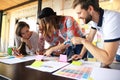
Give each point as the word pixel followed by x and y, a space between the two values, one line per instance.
pixel 39 52
pixel 16 52
pixel 27 42
pixel 48 52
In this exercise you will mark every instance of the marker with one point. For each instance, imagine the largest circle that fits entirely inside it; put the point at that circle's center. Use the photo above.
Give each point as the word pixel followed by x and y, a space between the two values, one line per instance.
pixel 71 59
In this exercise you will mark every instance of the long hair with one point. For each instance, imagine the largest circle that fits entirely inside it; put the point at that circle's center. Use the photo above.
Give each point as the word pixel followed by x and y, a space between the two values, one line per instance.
pixel 86 3
pixel 20 25
pixel 49 24
pixel 22 48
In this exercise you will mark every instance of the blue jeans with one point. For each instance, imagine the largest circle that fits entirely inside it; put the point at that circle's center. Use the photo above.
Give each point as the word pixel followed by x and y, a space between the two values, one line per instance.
pixel 89 55
pixel 117 57
pixel 70 51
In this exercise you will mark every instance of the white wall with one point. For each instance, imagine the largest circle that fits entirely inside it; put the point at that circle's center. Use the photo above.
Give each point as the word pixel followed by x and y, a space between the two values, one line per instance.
pixel 8 27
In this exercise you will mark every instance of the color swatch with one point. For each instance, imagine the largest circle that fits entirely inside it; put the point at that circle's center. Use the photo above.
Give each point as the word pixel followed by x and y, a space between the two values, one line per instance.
pixel 75 72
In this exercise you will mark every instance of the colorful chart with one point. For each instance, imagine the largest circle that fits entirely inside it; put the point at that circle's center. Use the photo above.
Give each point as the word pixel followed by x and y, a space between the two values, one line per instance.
pixel 75 72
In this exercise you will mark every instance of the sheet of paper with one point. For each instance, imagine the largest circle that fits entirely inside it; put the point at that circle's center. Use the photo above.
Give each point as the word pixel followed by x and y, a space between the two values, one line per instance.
pixel 37 64
pixel 105 74
pixel 91 64
pixel 39 57
pixel 86 63
pixel 80 70
pixel 75 72
pixel 88 71
pixel 49 66
pixel 14 60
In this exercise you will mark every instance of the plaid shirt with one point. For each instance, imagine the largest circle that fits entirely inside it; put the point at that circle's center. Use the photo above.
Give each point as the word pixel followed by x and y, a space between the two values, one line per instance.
pixel 68 28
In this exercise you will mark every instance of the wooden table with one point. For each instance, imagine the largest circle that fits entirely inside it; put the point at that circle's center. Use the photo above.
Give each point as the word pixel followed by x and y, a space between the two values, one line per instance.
pixel 20 72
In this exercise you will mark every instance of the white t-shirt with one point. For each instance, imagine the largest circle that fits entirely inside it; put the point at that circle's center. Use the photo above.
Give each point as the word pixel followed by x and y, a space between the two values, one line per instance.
pixel 110 28
pixel 33 40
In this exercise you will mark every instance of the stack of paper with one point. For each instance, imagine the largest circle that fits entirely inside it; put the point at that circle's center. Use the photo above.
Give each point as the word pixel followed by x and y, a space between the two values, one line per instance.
pixel 105 74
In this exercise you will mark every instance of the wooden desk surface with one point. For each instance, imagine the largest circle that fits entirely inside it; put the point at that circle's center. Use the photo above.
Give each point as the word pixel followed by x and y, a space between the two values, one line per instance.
pixel 20 72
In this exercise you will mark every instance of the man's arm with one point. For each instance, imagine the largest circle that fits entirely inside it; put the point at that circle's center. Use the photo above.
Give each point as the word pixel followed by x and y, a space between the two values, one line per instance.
pixel 90 38
pixel 105 55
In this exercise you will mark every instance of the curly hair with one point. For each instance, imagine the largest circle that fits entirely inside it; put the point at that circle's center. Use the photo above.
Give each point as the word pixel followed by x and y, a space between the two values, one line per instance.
pixel 49 23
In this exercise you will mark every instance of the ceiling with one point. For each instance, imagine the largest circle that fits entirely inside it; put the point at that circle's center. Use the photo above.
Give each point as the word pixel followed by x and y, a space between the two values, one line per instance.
pixel 11 4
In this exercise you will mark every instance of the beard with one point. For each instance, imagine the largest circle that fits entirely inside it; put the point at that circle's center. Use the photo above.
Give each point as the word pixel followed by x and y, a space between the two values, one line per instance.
pixel 88 19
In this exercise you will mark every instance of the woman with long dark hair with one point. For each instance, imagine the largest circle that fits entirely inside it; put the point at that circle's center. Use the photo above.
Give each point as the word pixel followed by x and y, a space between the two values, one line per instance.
pixel 26 41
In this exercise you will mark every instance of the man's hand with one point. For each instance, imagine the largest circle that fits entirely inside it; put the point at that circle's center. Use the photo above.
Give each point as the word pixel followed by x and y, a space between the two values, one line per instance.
pixel 76 57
